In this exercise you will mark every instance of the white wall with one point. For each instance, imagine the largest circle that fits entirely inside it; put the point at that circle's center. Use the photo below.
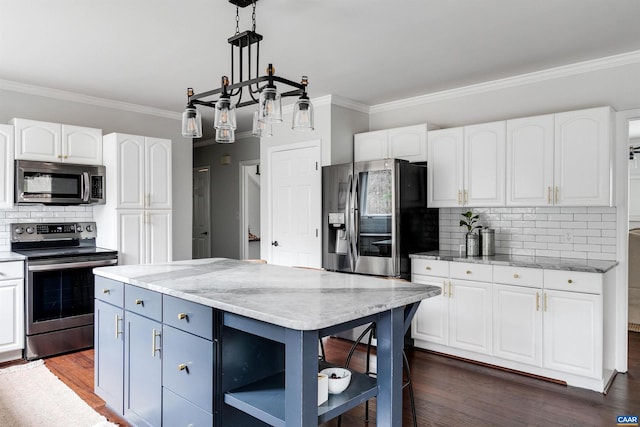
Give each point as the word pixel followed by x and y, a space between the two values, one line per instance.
pixel 71 110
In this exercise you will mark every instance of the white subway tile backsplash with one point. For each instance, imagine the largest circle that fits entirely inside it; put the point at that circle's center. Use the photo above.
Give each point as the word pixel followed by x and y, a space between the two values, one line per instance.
pixel 540 231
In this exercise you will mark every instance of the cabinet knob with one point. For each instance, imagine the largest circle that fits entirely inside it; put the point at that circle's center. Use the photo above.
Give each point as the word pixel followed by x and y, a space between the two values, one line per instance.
pixel 182 316
pixel 139 302
pixel 468 271
pixel 516 275
pixel 106 291
pixel 569 281
pixel 427 268
pixel 183 367
pixel 59 156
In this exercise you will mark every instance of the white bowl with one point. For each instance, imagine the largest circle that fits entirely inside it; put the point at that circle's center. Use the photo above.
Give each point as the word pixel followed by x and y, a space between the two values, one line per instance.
pixel 341 379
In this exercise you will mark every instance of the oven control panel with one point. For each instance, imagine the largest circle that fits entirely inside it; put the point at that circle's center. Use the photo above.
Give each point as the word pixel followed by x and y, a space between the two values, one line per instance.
pixel 38 232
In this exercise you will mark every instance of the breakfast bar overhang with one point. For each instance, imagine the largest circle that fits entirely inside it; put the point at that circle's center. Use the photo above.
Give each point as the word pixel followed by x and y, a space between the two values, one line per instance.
pixel 294 307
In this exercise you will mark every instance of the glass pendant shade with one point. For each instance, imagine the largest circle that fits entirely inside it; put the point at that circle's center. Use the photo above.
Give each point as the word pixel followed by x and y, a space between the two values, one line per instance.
pixel 225 116
pixel 270 106
pixel 191 123
pixel 261 129
pixel 302 115
pixel 225 136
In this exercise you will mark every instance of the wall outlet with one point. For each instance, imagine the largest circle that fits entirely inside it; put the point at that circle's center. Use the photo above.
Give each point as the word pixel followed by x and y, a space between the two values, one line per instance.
pixel 567 236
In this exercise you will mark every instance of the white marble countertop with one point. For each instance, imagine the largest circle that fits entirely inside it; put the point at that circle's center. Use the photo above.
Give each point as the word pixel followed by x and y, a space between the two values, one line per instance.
pixel 550 263
pixel 295 298
pixel 10 256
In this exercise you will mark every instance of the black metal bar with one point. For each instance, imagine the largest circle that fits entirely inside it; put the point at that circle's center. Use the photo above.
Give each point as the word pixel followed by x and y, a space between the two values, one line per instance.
pixel 247 83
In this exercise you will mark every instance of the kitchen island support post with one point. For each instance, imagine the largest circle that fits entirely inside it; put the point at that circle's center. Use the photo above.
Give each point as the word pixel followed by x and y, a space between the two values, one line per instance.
pixel 301 357
pixel 390 334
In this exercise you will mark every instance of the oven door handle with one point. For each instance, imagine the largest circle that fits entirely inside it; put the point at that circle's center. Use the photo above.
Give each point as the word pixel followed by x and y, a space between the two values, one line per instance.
pixel 83 264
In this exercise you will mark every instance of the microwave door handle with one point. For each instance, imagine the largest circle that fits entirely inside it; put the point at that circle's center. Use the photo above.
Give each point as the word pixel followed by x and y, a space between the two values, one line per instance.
pixel 86 193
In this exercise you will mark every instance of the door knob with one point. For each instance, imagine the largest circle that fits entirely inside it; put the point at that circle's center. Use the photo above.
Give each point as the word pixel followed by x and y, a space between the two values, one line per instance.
pixel 275 243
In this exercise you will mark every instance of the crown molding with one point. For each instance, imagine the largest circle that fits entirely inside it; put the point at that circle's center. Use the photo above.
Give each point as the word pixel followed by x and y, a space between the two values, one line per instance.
pixel 86 99
pixel 604 63
pixel 338 100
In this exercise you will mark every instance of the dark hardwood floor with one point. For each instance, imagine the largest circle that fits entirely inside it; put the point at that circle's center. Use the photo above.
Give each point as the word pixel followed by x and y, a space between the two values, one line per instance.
pixel 448 392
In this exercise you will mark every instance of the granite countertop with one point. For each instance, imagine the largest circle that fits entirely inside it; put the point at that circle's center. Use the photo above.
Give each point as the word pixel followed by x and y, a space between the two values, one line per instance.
pixel 10 256
pixel 550 263
pixel 296 298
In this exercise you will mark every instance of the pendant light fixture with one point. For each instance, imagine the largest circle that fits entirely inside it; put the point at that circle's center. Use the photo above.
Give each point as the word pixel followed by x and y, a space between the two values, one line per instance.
pixel 260 90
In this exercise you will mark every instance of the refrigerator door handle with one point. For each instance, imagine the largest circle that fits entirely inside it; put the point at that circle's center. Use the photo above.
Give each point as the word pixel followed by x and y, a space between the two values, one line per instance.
pixel 355 217
pixel 349 224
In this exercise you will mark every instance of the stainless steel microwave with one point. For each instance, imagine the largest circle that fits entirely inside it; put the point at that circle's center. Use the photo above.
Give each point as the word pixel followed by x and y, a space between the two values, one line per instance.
pixel 59 183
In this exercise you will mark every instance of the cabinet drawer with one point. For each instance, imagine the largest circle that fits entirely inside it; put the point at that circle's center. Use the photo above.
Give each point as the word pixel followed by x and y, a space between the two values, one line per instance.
pixel 188 316
pixel 573 281
pixel 143 301
pixel 178 412
pixel 519 276
pixel 471 271
pixel 430 267
pixel 187 366
pixel 110 291
pixel 11 270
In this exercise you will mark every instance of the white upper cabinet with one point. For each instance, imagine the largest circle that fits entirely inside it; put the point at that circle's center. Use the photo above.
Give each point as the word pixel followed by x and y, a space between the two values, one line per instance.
pixel 445 167
pixel 530 161
pixel 582 157
pixel 6 162
pixel 484 158
pixel 55 142
pixel 406 143
pixel 466 166
pixel 157 173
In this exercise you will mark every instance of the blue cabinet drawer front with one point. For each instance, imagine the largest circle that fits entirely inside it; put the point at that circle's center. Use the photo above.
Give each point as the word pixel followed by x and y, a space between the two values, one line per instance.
pixel 143 301
pixel 110 291
pixel 188 316
pixel 178 412
pixel 187 366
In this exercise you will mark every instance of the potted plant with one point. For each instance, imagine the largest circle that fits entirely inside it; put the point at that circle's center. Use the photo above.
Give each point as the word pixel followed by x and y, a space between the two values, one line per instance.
pixel 472 240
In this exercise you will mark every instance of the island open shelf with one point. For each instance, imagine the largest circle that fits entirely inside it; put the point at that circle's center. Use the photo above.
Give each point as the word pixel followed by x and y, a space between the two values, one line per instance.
pixel 265 399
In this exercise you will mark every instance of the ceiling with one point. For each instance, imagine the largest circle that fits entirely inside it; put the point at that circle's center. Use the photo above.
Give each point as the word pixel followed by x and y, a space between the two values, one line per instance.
pixel 372 51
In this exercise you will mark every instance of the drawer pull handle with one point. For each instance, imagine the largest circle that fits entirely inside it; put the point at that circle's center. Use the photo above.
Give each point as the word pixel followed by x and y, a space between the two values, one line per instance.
pixel 444 288
pixel 140 302
pixel 450 290
pixel 118 332
pixel 516 276
pixel 106 291
pixel 183 316
pixel 546 301
pixel 569 281
pixel 183 367
pixel 427 268
pixel 537 301
pixel 468 271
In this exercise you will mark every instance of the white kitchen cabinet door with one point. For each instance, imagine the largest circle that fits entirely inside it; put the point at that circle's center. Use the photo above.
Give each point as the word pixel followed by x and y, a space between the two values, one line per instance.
pixel 430 322
pixel 517 324
pixel 370 146
pixel 572 333
pixel 157 167
pixel 6 163
pixel 35 140
pixel 484 160
pixel 81 145
pixel 582 157
pixel 530 161
pixel 408 143
pixel 11 315
pixel 158 236
pixel 132 240
pixel 131 172
pixel 445 167
pixel 470 316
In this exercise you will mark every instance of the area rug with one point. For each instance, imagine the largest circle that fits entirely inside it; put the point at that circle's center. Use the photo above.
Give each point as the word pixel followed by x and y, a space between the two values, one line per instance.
pixel 32 396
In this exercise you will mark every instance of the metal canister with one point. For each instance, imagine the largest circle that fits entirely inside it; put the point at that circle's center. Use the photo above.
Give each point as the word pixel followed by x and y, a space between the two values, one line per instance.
pixel 488 239
pixel 473 244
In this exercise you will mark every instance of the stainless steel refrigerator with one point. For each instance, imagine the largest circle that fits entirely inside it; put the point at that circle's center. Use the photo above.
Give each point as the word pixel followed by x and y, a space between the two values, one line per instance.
pixel 374 215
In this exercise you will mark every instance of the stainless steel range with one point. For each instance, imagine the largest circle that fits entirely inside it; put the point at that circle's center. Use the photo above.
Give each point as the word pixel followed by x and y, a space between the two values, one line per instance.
pixel 59 284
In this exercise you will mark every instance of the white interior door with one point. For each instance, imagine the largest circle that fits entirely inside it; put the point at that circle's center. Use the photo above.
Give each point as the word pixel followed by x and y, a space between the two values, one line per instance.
pixel 201 233
pixel 250 209
pixel 295 195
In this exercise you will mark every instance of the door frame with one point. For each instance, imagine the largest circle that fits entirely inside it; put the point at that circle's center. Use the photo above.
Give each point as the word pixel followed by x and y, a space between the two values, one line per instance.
pixel 198 169
pixel 266 249
pixel 243 166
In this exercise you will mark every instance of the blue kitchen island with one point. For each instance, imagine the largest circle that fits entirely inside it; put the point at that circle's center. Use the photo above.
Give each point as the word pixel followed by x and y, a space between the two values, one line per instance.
pixel 225 342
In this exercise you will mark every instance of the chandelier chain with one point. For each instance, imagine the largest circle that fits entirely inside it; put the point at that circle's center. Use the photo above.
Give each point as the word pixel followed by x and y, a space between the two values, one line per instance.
pixel 253 16
pixel 238 20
